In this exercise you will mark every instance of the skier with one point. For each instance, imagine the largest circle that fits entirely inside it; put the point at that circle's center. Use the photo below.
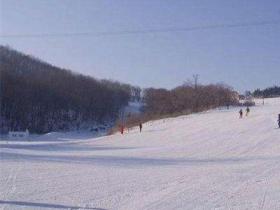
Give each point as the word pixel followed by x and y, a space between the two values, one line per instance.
pixel 140 127
pixel 122 129
pixel 279 120
pixel 240 113
pixel 247 111
pixel 227 106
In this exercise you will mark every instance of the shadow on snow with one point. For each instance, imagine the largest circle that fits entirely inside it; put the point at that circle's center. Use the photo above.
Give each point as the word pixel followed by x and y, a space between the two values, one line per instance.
pixel 131 161
pixel 45 205
pixel 60 147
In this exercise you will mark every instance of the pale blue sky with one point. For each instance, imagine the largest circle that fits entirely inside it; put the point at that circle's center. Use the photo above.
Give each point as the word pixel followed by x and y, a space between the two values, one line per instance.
pixel 245 57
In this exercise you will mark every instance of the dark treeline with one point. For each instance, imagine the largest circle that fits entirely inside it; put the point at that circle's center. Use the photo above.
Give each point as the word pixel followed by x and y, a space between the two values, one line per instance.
pixel 268 92
pixel 188 98
pixel 42 98
pixel 185 99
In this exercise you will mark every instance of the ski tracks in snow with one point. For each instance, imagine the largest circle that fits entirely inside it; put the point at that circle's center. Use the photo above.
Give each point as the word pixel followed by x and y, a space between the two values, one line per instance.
pixel 211 160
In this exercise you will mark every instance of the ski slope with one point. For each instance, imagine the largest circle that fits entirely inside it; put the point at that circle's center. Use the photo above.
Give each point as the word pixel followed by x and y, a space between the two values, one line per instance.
pixel 210 160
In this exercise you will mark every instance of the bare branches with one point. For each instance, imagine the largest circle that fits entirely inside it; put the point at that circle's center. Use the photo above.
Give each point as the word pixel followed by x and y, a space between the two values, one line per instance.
pixel 186 99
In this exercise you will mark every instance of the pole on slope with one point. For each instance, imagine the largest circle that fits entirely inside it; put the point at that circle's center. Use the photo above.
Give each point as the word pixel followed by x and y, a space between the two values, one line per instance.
pixel 195 78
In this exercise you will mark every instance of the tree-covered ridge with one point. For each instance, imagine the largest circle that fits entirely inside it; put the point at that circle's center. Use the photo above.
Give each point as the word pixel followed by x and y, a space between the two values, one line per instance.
pixel 41 97
pixel 268 92
pixel 188 98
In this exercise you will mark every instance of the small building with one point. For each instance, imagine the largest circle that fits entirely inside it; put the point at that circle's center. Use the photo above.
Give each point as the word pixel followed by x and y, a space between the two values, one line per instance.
pixel 18 134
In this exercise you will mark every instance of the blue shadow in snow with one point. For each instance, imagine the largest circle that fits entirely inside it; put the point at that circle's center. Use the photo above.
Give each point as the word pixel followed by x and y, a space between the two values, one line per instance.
pixel 130 161
pixel 61 147
pixel 45 205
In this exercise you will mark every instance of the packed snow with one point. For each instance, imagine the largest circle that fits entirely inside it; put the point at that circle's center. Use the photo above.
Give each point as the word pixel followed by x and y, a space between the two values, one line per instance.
pixel 209 160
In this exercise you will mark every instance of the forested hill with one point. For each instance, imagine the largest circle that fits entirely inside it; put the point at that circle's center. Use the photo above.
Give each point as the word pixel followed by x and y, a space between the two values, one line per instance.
pixel 268 92
pixel 42 98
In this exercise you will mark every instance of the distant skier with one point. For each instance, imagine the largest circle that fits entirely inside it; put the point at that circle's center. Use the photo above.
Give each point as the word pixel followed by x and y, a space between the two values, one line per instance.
pixel 247 111
pixel 240 113
pixel 279 120
pixel 227 106
pixel 122 129
pixel 140 127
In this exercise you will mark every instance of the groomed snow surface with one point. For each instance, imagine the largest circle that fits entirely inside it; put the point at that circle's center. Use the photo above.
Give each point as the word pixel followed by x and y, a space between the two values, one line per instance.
pixel 210 160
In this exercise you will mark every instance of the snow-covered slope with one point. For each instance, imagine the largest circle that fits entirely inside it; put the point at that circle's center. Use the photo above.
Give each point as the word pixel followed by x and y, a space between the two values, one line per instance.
pixel 211 160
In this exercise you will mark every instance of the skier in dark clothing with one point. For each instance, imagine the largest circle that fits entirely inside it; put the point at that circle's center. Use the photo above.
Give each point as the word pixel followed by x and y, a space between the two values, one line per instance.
pixel 247 111
pixel 279 120
pixel 122 129
pixel 227 106
pixel 140 127
pixel 240 113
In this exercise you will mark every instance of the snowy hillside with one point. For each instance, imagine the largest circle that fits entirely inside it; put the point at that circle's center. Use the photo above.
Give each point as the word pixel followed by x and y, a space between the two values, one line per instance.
pixel 133 108
pixel 211 160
